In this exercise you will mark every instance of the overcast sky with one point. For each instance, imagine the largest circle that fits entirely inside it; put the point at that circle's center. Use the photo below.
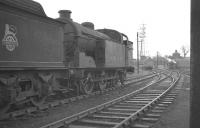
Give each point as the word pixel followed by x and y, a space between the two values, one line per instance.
pixel 167 21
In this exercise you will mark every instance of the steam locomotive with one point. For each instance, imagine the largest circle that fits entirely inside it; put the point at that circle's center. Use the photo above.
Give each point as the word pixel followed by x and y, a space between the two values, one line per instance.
pixel 41 56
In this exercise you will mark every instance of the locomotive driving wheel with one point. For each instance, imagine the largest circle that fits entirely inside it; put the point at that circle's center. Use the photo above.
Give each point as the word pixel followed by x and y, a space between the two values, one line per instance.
pixel 87 84
pixel 41 90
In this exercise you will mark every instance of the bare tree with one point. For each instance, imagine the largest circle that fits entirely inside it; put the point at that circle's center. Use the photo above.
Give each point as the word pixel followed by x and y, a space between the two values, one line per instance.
pixel 185 51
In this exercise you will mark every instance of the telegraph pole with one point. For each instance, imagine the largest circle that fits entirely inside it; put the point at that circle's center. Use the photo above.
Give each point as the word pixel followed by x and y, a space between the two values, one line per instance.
pixel 140 38
pixel 157 59
pixel 137 54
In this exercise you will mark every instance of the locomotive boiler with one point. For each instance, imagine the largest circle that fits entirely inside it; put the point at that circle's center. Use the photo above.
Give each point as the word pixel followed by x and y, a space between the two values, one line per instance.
pixel 41 56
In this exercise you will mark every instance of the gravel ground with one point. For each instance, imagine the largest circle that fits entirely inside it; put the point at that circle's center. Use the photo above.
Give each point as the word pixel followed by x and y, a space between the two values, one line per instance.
pixel 45 117
pixel 177 115
pixel 136 74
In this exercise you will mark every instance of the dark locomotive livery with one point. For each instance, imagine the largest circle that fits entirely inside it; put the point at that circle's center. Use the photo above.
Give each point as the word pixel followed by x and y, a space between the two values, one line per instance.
pixel 40 56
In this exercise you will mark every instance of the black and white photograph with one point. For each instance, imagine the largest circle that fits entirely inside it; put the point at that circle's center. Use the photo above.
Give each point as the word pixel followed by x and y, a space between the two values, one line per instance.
pixel 99 63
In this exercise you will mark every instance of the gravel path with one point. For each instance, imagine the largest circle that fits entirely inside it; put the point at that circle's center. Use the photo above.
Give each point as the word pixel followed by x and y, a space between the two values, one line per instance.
pixel 57 113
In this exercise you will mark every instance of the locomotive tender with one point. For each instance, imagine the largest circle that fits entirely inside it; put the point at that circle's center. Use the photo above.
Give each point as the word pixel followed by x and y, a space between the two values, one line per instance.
pixel 40 56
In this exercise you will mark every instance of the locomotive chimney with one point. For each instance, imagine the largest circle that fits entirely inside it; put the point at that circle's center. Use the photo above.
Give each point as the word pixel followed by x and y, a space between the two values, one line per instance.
pixel 65 14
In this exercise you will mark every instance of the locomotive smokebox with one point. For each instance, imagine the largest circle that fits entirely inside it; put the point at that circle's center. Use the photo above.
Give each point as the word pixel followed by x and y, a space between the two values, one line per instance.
pixel 65 14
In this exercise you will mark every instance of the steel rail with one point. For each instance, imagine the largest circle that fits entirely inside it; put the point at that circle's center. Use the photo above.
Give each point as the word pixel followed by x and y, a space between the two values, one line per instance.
pixel 69 100
pixel 149 104
pixel 67 120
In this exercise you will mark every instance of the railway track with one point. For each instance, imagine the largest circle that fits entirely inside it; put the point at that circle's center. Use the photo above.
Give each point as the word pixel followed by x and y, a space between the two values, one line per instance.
pixel 54 103
pixel 127 110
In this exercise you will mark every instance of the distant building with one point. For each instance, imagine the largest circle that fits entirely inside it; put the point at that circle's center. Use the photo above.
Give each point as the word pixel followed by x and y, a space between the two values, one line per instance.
pixel 176 55
pixel 147 62
pixel 160 61
pixel 143 58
